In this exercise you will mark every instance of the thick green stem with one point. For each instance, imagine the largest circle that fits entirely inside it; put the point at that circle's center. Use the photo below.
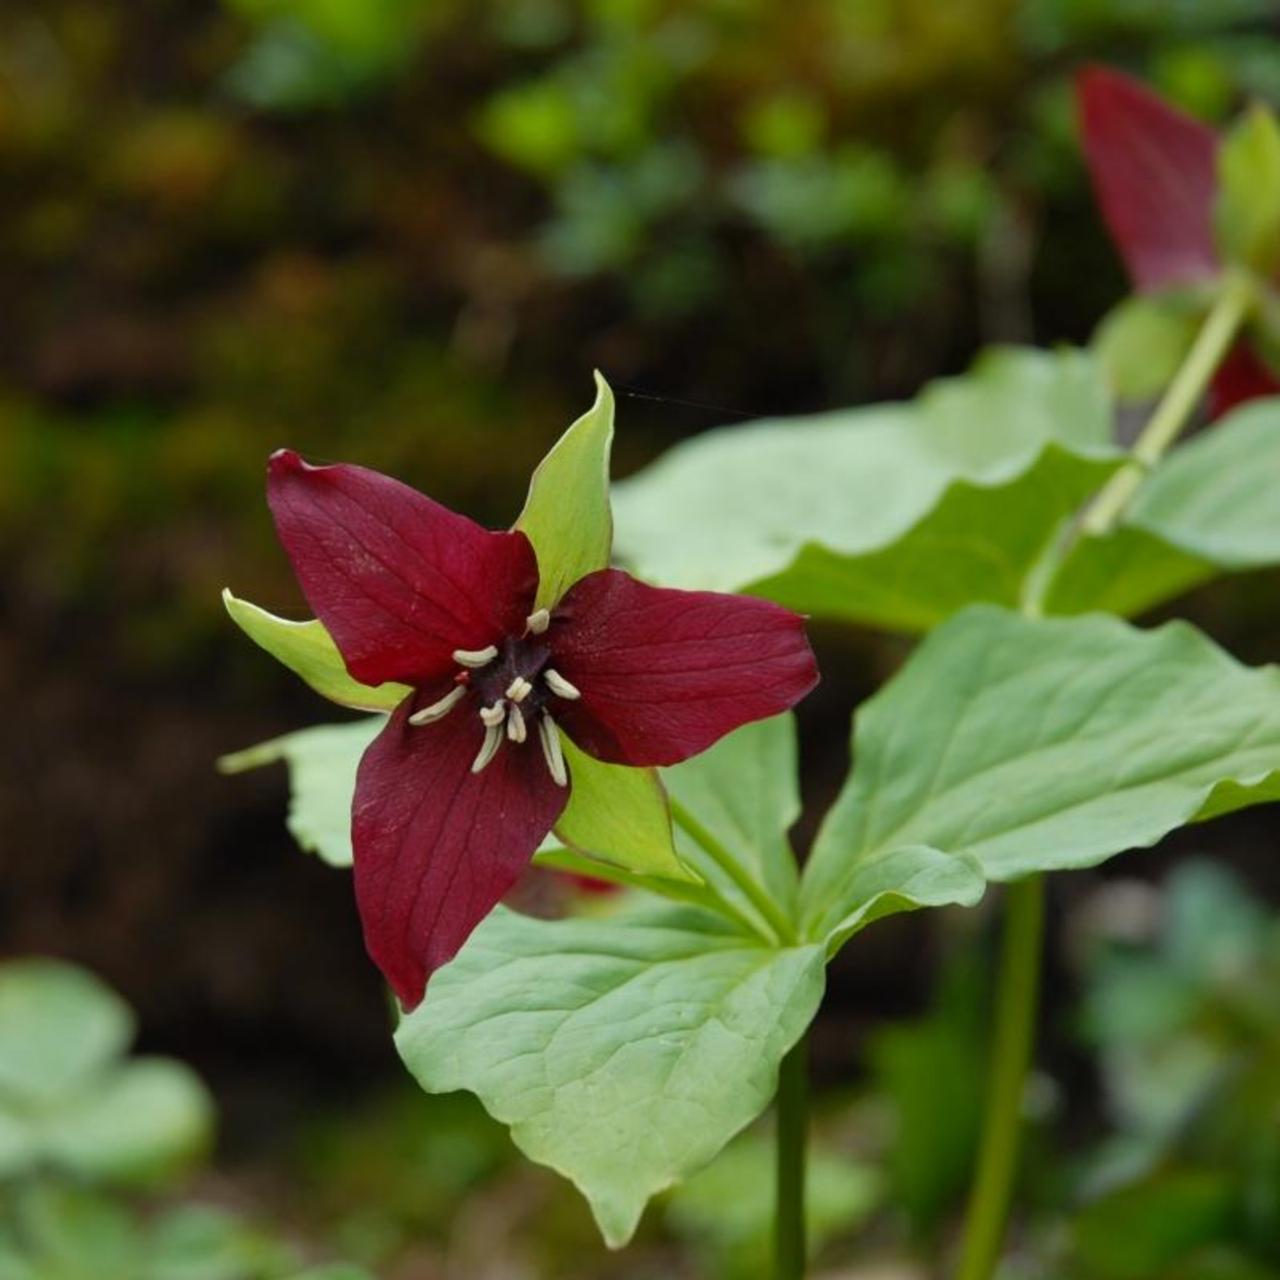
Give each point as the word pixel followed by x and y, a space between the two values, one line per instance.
pixel 790 1252
pixel 1015 1020
pixel 756 894
pixel 1216 335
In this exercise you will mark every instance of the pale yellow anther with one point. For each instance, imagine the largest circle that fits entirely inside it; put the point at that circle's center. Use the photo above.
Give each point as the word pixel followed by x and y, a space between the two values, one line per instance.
pixel 516 729
pixel 538 621
pixel 488 748
pixel 475 658
pixel 494 714
pixel 549 736
pixel 438 710
pixel 519 689
pixel 560 686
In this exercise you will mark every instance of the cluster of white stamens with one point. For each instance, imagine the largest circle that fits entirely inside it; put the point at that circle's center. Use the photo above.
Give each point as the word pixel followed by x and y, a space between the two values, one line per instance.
pixel 506 718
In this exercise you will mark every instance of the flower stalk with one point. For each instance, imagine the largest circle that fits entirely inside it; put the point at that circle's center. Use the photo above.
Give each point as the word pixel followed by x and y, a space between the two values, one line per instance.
pixel 792 1109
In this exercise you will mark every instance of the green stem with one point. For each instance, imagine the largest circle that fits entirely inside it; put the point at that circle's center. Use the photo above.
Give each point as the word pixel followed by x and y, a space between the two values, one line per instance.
pixel 756 894
pixel 1015 1018
pixel 790 1252
pixel 1216 335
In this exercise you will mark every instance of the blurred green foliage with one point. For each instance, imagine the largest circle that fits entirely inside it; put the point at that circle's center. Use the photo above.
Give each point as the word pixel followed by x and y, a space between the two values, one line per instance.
pixel 403 231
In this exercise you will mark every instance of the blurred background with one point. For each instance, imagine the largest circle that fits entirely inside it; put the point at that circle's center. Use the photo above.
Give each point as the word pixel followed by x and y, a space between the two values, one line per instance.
pixel 402 232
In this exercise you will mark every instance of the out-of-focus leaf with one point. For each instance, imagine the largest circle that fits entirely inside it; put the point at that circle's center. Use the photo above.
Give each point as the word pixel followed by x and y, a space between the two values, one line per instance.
pixel 145 1119
pixel 59 1028
pixel 322 766
pixel 729 1204
pixel 1142 1232
pixel 1142 342
pixel 623 1053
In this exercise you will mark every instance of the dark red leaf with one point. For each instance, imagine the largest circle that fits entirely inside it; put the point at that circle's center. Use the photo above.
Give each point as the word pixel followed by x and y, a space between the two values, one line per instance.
pixel 663 674
pixel 399 580
pixel 1240 377
pixel 1154 172
pixel 437 846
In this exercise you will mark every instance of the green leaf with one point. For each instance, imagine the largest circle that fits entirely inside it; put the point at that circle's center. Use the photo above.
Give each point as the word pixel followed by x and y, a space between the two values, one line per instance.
pixel 308 650
pixel 146 1119
pixel 619 815
pixel 322 766
pixel 623 1053
pixel 59 1027
pixel 894 514
pixel 1201 511
pixel 1247 215
pixel 566 515
pixel 1142 341
pixel 744 791
pixel 1038 745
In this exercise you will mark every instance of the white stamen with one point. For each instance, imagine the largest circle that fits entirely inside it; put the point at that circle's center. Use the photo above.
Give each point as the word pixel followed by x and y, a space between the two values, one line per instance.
pixel 488 748
pixel 516 730
pixel 494 714
pixel 519 689
pixel 475 658
pixel 550 738
pixel 438 710
pixel 538 621
pixel 559 685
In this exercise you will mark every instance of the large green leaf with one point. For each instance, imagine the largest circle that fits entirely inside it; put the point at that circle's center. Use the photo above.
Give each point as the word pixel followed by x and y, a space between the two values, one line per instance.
pixel 566 514
pixel 1035 745
pixel 1208 507
pixel 308 650
pixel 624 1053
pixel 892 514
pixel 322 781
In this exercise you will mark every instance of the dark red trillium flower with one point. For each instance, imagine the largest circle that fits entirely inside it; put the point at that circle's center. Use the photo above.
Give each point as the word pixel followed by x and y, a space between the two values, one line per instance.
pixel 456 793
pixel 1155 174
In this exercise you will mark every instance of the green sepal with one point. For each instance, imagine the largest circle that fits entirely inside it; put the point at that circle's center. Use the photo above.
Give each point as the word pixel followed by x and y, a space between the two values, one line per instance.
pixel 1247 216
pixel 619 815
pixel 566 515
pixel 308 650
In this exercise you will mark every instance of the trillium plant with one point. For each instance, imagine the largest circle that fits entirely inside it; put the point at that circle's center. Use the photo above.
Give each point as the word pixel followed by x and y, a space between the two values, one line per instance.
pixel 525 702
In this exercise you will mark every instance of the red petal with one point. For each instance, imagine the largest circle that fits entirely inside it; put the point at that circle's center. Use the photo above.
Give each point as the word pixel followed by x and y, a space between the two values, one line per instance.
pixel 664 674
pixel 399 580
pixel 1154 171
pixel 437 846
pixel 1241 376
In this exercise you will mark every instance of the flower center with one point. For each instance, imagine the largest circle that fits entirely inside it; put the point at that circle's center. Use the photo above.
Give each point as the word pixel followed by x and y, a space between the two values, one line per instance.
pixel 512 683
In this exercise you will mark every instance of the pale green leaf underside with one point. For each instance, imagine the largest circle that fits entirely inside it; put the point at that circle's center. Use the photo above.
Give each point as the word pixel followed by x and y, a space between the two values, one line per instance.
pixel 623 1053
pixel 832 510
pixel 1038 745
pixel 308 650
pixel 322 766
pixel 566 515
pixel 620 815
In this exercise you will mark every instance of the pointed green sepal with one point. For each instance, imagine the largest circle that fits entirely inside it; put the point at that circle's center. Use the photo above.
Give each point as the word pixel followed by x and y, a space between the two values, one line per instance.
pixel 566 515
pixel 1248 211
pixel 308 650
pixel 620 815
